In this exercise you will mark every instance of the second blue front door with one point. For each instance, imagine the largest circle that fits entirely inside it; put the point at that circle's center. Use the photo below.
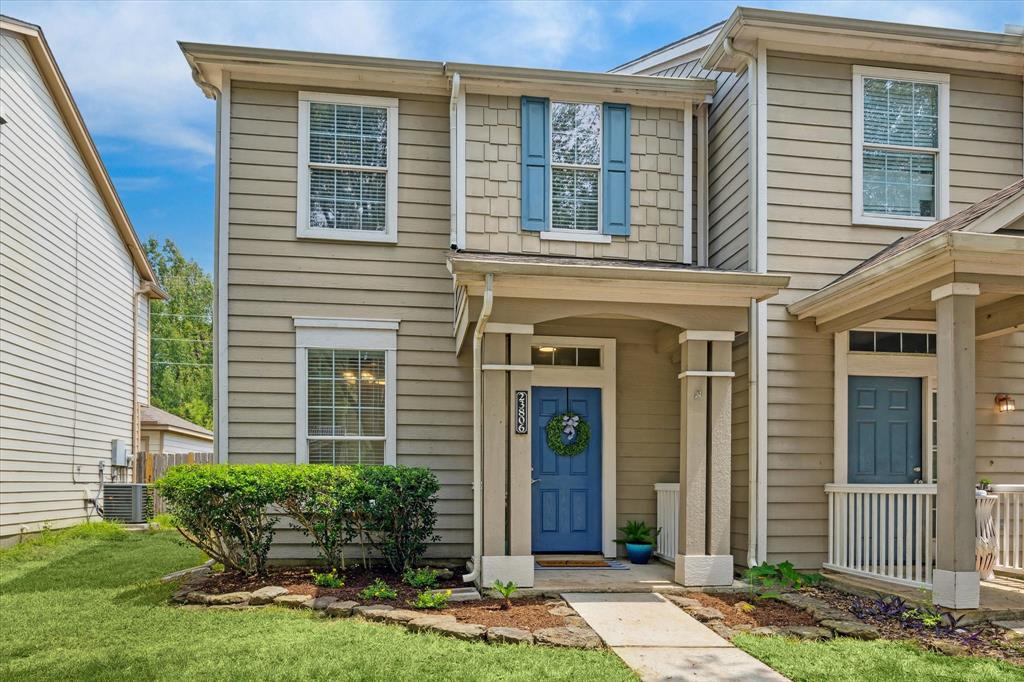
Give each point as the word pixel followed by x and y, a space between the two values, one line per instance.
pixel 566 490
pixel 884 430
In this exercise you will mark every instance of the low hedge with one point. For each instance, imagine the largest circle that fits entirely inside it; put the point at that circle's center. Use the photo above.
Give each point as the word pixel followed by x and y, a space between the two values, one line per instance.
pixel 228 510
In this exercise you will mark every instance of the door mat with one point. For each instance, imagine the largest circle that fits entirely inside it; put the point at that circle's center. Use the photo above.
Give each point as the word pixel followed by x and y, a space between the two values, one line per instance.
pixel 580 565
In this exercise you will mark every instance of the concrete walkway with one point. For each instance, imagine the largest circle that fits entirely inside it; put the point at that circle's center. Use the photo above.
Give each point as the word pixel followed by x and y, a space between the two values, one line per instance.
pixel 661 642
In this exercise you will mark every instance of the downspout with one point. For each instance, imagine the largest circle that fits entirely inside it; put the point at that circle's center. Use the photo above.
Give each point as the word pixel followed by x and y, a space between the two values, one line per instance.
pixel 453 132
pixel 755 335
pixel 478 431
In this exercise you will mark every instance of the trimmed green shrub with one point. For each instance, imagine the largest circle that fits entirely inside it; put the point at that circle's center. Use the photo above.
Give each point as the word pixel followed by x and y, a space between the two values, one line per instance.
pixel 320 498
pixel 397 505
pixel 224 510
pixel 420 578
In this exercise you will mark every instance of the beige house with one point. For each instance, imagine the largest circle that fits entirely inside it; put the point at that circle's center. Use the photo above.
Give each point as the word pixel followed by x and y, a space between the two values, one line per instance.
pixel 168 434
pixel 586 298
pixel 75 288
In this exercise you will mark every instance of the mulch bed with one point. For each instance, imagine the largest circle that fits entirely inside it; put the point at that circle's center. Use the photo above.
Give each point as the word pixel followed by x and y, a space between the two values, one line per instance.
pixel 977 640
pixel 766 612
pixel 527 613
pixel 298 581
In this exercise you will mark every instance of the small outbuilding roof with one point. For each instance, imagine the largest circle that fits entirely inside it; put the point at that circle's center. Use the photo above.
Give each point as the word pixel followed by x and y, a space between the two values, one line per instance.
pixel 153 418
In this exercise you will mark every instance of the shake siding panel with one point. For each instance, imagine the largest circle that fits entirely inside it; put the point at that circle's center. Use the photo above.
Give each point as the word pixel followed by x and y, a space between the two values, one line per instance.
pixel 274 276
pixel 811 237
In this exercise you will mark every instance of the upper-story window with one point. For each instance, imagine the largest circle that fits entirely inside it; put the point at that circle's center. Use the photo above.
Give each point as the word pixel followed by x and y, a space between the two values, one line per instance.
pixel 575 166
pixel 348 167
pixel 901 147
pixel 575 169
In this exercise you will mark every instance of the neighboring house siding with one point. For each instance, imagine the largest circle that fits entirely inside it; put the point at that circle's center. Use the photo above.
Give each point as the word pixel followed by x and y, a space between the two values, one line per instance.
pixel 493 157
pixel 180 443
pixel 810 236
pixel 142 351
pixel 728 194
pixel 66 341
pixel 274 276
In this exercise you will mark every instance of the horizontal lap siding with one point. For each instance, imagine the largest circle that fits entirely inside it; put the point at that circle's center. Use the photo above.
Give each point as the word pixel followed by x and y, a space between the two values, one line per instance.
pixel 811 237
pixel 66 358
pixel 273 276
pixel 740 515
pixel 1000 437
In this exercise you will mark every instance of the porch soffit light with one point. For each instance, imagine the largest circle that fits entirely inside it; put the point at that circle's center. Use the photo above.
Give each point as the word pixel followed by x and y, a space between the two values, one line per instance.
pixel 547 349
pixel 1005 403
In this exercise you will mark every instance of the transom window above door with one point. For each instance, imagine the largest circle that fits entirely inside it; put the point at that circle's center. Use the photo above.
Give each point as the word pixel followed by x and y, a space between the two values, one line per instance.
pixel 348 168
pixel 575 166
pixel 901 155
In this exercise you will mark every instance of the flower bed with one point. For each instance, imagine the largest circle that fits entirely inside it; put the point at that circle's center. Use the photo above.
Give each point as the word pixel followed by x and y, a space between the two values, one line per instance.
pixel 549 622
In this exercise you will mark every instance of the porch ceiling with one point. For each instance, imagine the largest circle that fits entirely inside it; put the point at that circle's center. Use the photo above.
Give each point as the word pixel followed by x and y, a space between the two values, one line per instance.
pixel 901 286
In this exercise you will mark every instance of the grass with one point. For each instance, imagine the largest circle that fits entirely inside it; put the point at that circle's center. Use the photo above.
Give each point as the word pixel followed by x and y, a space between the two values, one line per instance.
pixel 85 603
pixel 852 660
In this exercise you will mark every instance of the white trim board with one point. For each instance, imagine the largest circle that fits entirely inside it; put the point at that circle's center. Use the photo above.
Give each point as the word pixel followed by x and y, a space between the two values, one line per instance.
pixel 302 227
pixel 602 377
pixel 858 217
pixel 346 334
pixel 223 223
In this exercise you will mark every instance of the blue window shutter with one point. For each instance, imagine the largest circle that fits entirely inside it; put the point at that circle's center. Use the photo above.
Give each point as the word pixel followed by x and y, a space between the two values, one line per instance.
pixel 536 161
pixel 615 169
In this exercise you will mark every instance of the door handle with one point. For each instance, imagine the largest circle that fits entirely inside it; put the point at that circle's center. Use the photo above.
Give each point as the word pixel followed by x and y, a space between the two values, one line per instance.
pixel 534 480
pixel 917 470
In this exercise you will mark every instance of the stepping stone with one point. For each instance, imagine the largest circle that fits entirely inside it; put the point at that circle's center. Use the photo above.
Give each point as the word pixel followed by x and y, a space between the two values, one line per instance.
pixel 1014 626
pixel 341 609
pixel 197 598
pixel 849 628
pixel 509 635
pixel 571 636
pixel 265 595
pixel 707 614
pixel 561 611
pixel 684 602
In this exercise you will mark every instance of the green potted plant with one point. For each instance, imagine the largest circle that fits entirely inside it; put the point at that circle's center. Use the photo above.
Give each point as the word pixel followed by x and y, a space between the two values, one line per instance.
pixel 638 538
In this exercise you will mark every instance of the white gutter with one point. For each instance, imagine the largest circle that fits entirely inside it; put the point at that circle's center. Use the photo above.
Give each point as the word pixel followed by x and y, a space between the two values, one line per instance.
pixel 478 431
pixel 453 143
pixel 758 337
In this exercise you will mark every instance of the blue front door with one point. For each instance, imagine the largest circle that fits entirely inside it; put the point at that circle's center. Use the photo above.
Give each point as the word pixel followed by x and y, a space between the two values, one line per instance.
pixel 884 441
pixel 566 490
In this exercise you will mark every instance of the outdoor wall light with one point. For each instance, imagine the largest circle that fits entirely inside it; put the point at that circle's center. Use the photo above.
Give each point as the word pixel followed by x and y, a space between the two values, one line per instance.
pixel 547 349
pixel 1005 403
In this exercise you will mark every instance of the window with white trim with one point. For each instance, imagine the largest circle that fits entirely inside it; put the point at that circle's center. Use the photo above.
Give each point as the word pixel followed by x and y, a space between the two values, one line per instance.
pixel 348 167
pixel 575 166
pixel 901 147
pixel 345 391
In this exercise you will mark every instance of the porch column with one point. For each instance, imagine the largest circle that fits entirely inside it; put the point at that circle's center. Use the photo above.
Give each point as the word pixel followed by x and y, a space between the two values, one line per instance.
pixel 955 581
pixel 495 459
pixel 705 441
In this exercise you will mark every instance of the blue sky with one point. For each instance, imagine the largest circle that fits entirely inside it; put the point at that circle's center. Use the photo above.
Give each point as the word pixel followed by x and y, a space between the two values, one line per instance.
pixel 155 130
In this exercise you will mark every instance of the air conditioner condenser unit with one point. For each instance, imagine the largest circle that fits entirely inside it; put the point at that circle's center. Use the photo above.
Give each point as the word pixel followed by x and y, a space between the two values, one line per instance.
pixel 126 502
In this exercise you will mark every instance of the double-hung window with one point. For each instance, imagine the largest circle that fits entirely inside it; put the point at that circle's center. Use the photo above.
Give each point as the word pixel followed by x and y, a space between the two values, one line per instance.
pixel 901 147
pixel 575 166
pixel 345 391
pixel 575 180
pixel 348 167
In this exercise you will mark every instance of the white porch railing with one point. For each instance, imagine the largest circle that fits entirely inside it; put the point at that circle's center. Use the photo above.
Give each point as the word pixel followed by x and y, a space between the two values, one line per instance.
pixel 1009 525
pixel 668 520
pixel 882 531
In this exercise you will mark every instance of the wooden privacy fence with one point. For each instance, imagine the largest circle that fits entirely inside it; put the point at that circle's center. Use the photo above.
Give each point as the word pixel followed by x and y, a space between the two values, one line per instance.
pixel 150 466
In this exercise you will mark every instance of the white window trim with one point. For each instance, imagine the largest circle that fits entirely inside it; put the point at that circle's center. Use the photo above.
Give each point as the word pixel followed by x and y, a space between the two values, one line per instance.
pixel 941 157
pixel 346 334
pixel 566 234
pixel 302 228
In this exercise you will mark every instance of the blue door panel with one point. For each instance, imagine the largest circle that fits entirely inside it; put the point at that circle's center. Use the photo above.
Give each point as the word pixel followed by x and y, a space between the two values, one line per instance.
pixel 884 430
pixel 567 490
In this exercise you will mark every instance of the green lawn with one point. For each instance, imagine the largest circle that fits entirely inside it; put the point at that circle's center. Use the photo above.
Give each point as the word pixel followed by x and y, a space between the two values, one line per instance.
pixel 851 660
pixel 85 605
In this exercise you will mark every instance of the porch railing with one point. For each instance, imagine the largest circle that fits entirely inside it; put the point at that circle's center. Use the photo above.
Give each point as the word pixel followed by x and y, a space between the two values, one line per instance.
pixel 1008 516
pixel 882 531
pixel 667 495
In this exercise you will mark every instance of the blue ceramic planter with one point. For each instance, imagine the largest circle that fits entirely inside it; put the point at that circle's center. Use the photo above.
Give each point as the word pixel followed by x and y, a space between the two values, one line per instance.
pixel 639 554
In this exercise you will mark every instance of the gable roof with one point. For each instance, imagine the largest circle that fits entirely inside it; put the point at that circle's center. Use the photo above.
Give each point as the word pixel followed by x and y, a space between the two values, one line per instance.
pixel 677 48
pixel 155 418
pixel 957 222
pixel 61 94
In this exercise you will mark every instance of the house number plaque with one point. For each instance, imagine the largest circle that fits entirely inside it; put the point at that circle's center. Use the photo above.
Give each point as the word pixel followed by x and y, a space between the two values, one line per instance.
pixel 522 421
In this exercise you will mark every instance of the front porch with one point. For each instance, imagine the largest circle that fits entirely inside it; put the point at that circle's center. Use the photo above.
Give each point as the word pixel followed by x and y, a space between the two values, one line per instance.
pixel 638 355
pixel 909 424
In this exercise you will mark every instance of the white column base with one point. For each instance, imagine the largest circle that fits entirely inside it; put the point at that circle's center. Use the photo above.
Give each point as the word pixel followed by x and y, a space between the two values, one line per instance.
pixel 956 589
pixel 518 569
pixel 695 570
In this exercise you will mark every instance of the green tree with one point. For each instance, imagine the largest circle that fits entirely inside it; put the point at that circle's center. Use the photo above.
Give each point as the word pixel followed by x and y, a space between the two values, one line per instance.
pixel 181 336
